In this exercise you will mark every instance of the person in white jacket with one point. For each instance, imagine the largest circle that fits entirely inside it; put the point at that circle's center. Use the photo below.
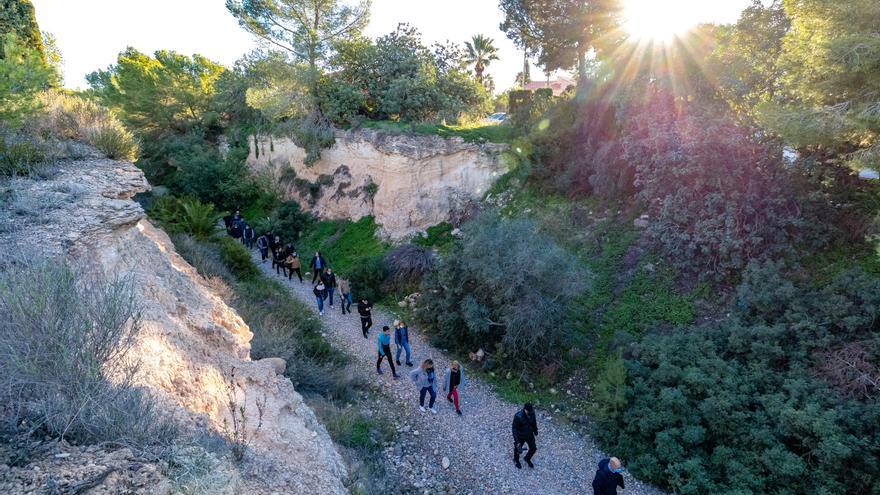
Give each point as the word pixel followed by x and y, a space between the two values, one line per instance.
pixel 453 380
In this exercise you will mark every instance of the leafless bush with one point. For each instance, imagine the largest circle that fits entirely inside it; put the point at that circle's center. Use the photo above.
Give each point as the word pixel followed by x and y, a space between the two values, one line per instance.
pixel 851 371
pixel 65 369
pixel 237 426
pixel 408 263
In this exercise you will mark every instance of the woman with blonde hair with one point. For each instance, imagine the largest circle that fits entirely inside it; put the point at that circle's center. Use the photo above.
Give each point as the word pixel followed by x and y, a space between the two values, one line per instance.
pixel 453 380
pixel 425 379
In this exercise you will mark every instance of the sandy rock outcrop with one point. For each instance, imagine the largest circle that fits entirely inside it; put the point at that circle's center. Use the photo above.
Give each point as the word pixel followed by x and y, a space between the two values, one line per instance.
pixel 407 182
pixel 192 343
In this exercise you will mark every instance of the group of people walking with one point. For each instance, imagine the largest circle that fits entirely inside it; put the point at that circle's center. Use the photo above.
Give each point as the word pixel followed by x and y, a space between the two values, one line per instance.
pixel 285 260
pixel 424 376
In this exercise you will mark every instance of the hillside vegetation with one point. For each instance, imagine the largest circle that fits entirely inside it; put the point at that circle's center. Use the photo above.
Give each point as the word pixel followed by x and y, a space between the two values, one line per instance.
pixel 682 256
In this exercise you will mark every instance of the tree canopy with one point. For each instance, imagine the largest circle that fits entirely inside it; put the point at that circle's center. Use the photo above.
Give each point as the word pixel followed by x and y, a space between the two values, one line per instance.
pixel 167 92
pixel 563 31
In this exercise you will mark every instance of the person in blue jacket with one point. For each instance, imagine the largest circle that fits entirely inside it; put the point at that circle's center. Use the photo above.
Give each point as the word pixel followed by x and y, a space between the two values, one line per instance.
pixel 608 477
pixel 401 339
pixel 384 345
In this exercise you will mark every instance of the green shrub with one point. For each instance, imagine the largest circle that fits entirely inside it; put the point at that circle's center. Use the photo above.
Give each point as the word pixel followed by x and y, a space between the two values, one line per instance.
pixel 19 153
pixel 751 405
pixel 187 215
pixel 65 365
pixel 367 278
pixel 23 75
pixel 114 141
pixel 439 236
pixel 237 259
pixel 506 285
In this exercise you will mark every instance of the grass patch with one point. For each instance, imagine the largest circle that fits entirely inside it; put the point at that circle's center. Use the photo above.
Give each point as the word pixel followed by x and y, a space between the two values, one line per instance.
pixel 473 133
pixel 343 243
pixel 437 236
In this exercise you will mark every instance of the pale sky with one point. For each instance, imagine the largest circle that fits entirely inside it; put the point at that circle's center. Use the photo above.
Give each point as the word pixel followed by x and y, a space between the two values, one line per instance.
pixel 91 33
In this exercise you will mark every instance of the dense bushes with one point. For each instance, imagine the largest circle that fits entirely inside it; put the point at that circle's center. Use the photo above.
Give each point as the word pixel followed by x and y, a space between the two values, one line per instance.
pixel 719 198
pixel 504 288
pixel 65 366
pixel 743 408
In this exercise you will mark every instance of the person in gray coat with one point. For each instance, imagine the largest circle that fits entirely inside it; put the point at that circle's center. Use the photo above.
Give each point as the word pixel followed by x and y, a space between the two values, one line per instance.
pixel 453 380
pixel 426 380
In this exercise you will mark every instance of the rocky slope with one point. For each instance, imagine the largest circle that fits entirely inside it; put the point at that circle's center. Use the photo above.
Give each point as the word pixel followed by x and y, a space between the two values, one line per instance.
pixel 407 182
pixel 191 342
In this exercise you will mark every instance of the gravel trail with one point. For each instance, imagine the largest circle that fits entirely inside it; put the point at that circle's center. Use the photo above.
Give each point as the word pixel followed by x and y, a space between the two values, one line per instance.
pixel 479 444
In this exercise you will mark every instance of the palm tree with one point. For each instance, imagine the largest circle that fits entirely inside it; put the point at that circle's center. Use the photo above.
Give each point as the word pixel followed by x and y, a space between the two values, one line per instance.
pixel 480 52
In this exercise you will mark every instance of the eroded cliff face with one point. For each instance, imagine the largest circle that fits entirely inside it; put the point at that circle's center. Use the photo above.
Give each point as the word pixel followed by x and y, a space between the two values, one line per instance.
pixel 191 340
pixel 408 183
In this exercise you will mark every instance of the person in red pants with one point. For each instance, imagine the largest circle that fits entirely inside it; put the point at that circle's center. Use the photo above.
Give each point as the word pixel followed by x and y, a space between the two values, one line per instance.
pixel 453 380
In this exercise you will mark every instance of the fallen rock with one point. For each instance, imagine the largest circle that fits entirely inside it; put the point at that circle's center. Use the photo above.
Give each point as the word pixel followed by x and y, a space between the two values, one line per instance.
pixel 278 364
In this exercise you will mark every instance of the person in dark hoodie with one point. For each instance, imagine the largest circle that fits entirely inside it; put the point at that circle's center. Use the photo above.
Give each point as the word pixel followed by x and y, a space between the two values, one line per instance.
pixel 278 257
pixel 330 282
pixel 318 264
pixel 263 246
pixel 365 309
pixel 525 429
pixel 608 477
pixel 237 230
pixel 248 236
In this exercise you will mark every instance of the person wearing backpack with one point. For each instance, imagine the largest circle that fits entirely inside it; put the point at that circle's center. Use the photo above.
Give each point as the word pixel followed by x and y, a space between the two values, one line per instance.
pixel 383 342
pixel 401 339
pixel 292 262
pixel 608 477
pixel 453 380
pixel 426 380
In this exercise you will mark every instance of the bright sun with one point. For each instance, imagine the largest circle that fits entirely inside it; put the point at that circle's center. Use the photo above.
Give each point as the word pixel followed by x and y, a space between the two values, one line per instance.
pixel 657 20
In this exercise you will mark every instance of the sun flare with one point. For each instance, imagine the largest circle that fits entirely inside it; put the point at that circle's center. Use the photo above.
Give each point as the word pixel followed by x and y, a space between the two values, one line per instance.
pixel 656 20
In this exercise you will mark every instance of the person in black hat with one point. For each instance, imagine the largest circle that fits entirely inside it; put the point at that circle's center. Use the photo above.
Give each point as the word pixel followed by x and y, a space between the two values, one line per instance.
pixel 525 429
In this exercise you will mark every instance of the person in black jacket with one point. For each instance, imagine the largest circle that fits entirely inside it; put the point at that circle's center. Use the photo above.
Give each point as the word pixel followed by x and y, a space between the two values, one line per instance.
pixel 318 264
pixel 525 429
pixel 608 477
pixel 248 236
pixel 329 280
pixel 365 309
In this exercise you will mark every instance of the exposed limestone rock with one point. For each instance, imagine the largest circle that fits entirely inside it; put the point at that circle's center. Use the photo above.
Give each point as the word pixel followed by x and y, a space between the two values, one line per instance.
pixel 191 340
pixel 407 182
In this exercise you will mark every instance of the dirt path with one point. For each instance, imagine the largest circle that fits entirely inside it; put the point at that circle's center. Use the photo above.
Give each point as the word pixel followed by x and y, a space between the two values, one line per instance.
pixel 479 444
